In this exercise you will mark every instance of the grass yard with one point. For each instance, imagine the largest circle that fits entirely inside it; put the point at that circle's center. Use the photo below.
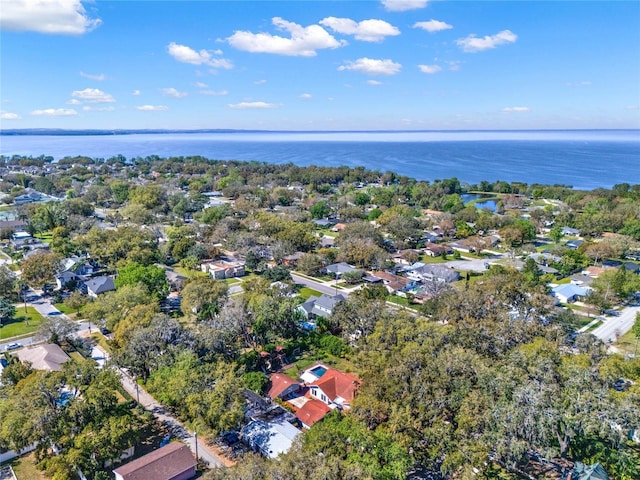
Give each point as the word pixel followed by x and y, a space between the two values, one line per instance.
pixel 306 292
pixel 232 281
pixel 190 273
pixel 22 324
pixel 438 259
pixel 627 343
pixel 309 359
pixel 64 309
pixel 100 340
pixel 398 300
pixel 25 467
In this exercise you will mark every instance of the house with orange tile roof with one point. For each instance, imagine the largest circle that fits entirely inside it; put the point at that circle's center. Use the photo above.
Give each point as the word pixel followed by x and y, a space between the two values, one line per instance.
pixel 332 387
pixel 282 386
pixel 312 412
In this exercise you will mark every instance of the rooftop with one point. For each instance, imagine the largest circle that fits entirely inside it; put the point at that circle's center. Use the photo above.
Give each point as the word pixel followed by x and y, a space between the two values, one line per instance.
pixel 162 464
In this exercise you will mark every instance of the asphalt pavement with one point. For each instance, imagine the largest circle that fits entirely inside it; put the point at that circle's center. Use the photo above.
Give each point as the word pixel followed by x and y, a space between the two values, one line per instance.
pixel 615 326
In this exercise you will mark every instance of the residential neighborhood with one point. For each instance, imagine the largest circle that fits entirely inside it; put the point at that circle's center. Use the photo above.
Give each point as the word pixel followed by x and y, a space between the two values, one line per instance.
pixel 209 316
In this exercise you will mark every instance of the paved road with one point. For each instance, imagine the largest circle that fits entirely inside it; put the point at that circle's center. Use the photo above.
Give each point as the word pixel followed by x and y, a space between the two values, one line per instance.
pixel 617 326
pixel 45 308
pixel 176 428
pixel 328 287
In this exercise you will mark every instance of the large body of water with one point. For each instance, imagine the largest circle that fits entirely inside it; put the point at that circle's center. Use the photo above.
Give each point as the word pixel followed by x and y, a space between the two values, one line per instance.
pixel 584 159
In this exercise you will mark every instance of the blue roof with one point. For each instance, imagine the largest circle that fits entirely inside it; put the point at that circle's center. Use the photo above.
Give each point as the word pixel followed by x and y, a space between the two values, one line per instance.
pixel 570 290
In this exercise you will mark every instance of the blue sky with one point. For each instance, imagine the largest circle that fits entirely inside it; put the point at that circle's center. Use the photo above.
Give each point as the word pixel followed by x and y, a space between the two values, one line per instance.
pixel 320 65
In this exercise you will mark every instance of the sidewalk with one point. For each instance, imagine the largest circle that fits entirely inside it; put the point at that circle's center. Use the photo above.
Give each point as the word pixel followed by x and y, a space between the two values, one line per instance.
pixel 205 453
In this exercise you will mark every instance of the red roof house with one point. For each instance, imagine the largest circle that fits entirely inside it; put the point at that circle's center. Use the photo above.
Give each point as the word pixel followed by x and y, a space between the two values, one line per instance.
pixel 334 388
pixel 311 412
pixel 282 386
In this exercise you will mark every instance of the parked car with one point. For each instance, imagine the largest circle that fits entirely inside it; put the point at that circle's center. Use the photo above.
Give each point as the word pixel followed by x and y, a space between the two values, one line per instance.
pixel 13 346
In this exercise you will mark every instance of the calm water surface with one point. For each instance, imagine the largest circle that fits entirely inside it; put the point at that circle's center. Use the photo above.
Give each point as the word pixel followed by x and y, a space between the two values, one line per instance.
pixel 583 159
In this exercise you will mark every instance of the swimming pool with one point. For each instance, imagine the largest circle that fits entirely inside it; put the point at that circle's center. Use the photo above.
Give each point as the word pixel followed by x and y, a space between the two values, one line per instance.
pixel 318 371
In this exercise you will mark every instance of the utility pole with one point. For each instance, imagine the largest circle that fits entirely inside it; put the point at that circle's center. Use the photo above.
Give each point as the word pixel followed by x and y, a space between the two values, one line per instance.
pixel 137 392
pixel 195 434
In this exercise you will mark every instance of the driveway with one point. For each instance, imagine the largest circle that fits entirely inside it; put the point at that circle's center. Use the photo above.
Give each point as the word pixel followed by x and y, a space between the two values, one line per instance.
pixel 328 288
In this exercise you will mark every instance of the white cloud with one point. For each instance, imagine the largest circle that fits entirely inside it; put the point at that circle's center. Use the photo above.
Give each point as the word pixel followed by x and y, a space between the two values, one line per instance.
pixel 247 105
pixel 259 82
pixel 74 101
pixel 404 5
pixel 9 115
pixel 54 112
pixel 185 54
pixel 453 66
pixel 201 85
pixel 433 26
pixel 93 95
pixel 374 82
pixel 430 68
pixel 367 30
pixel 172 92
pixel 67 17
pixel 213 92
pixel 99 77
pixel 304 41
pixel 87 108
pixel 472 44
pixel 515 109
pixel 305 95
pixel 136 92
pixel 152 108
pixel 370 66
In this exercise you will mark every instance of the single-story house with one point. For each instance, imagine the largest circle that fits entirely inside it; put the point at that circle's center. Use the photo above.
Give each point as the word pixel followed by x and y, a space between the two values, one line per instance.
pixel 221 269
pixel 340 269
pixel 43 357
pixel 432 273
pixel 395 283
pixel 312 412
pixel 436 249
pixel 65 277
pixel 573 232
pixel 322 306
pixel 569 292
pixel 327 241
pixel 13 225
pixel 632 267
pixel 292 260
pixel 338 227
pixel 171 462
pixel 545 258
pixel 21 238
pixel 332 387
pixel 282 386
pixel 574 244
pixel 269 438
pixel 97 285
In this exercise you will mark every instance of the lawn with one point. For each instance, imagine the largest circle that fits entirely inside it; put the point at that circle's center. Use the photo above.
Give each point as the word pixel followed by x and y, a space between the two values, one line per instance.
pixel 438 259
pixel 310 358
pixel 22 324
pixel 306 292
pixel 64 309
pixel 102 341
pixel 232 281
pixel 398 300
pixel 627 343
pixel 190 273
pixel 25 467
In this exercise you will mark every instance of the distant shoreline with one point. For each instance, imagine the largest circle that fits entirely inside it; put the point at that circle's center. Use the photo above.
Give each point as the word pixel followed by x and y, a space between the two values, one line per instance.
pixel 101 132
